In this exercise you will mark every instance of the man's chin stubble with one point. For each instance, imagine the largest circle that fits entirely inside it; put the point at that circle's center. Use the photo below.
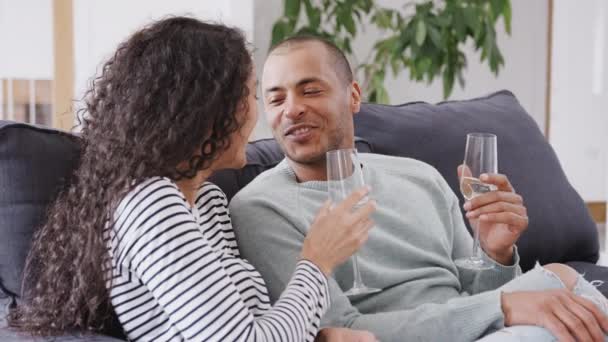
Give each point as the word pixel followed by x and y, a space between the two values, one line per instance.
pixel 307 160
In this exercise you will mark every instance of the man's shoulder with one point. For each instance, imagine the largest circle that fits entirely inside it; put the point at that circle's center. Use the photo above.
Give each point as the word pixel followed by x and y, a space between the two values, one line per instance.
pixel 266 185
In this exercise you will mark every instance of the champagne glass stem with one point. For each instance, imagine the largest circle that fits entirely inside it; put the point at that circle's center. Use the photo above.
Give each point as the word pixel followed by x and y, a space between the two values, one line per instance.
pixel 344 175
pixel 476 245
pixel 357 282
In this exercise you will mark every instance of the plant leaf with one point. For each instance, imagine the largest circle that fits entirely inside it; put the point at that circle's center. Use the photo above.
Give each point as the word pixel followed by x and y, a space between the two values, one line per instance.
pixel 420 32
pixel 382 18
pixel 313 14
pixel 471 19
pixel 435 36
pixel 495 9
pixel 309 31
pixel 292 9
pixel 461 81
pixel 346 46
pixel 448 82
pixel 507 15
pixel 346 19
pixel 460 27
pixel 382 96
pixel 279 32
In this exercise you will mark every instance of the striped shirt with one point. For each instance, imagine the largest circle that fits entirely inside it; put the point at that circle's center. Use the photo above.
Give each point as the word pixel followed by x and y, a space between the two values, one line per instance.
pixel 177 274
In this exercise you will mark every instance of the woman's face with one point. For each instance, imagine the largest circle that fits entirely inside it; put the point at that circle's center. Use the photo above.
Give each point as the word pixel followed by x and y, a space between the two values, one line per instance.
pixel 234 157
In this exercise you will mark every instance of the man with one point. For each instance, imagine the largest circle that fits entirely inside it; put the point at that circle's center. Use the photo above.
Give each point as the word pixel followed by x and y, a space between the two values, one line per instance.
pixel 310 97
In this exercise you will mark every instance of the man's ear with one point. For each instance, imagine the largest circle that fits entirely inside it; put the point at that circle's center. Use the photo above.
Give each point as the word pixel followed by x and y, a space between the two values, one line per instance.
pixel 355 100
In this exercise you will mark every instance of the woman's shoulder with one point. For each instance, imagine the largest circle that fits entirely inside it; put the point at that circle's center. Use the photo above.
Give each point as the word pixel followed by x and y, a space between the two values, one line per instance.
pixel 211 188
pixel 149 193
pixel 210 192
pixel 152 185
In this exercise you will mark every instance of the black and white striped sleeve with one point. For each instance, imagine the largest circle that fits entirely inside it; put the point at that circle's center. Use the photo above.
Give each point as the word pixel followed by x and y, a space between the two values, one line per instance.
pixel 163 246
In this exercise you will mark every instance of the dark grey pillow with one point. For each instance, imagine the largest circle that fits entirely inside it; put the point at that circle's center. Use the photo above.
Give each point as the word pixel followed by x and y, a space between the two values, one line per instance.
pixel 560 229
pixel 34 162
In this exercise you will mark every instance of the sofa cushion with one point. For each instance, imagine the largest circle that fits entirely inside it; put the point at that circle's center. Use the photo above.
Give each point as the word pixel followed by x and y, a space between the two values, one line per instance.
pixel 560 228
pixel 34 162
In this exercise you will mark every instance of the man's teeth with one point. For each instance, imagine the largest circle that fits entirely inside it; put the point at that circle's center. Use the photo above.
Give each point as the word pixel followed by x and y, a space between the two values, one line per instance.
pixel 301 130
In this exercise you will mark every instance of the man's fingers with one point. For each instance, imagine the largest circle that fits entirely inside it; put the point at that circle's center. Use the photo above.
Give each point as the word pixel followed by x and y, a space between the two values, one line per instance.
pixel 323 211
pixel 586 317
pixel 558 329
pixel 493 197
pixel 601 317
pixel 575 326
pixel 353 199
pixel 500 180
pixel 364 226
pixel 498 207
pixel 513 220
pixel 365 211
pixel 463 171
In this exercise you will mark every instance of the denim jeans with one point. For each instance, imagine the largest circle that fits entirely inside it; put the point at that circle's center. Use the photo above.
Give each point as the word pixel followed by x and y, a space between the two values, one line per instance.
pixel 542 279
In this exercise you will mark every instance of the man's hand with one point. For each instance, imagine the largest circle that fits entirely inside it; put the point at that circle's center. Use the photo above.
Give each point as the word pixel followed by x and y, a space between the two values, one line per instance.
pixel 344 335
pixel 567 316
pixel 500 216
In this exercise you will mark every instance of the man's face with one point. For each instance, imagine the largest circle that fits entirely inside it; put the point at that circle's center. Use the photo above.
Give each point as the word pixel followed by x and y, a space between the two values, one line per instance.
pixel 308 105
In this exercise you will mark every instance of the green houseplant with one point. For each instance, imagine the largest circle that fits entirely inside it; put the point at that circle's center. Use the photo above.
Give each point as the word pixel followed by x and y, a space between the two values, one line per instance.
pixel 426 37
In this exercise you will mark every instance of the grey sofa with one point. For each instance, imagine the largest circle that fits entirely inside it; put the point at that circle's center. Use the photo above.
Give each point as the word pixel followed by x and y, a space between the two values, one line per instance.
pixel 35 162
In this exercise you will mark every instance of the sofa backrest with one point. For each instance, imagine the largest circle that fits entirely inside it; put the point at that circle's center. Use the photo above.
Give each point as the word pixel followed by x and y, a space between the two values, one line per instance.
pixel 560 228
pixel 34 162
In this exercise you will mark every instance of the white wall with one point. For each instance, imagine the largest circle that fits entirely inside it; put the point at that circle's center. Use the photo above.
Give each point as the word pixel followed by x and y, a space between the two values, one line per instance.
pixel 265 12
pixel 525 54
pixel 26 39
pixel 579 122
pixel 100 25
pixel 579 94
pixel 524 72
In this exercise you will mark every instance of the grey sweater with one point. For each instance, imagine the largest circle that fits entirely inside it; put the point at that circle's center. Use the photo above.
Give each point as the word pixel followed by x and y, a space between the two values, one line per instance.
pixel 410 253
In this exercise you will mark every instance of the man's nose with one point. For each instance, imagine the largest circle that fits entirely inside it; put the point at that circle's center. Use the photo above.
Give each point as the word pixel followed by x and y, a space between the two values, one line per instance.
pixel 293 109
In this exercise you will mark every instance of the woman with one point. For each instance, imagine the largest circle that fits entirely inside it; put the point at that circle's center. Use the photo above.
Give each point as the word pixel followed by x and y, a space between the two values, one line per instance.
pixel 138 226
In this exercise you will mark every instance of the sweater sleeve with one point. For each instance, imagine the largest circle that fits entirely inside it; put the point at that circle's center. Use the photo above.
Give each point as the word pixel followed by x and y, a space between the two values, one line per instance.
pixel 271 236
pixel 161 243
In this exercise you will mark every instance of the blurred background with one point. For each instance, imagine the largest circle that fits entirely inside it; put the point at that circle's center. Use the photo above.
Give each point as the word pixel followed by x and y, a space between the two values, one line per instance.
pixel 554 61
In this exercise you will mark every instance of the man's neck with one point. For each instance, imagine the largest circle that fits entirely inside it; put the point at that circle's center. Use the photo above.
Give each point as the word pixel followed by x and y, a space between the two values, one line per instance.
pixel 309 172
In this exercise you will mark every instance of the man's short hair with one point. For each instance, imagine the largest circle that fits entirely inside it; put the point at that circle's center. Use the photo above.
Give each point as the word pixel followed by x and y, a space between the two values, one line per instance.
pixel 337 56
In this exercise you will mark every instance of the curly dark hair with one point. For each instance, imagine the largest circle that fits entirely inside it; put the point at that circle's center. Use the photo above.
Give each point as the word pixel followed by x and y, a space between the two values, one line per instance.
pixel 171 93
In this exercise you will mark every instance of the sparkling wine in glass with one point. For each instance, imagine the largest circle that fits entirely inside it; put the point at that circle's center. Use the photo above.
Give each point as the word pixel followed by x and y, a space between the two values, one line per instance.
pixel 480 156
pixel 344 175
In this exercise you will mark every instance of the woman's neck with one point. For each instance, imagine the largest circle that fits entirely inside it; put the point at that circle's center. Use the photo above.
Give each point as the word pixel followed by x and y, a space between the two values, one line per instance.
pixel 189 186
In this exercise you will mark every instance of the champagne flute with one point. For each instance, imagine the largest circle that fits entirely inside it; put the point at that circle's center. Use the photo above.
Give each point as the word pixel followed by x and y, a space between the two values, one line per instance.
pixel 480 156
pixel 344 175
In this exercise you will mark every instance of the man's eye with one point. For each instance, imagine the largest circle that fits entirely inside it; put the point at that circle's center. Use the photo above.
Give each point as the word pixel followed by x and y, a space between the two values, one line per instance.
pixel 311 91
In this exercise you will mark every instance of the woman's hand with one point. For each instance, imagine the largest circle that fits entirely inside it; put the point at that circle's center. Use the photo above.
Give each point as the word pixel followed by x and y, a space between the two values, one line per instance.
pixel 338 232
pixel 344 335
